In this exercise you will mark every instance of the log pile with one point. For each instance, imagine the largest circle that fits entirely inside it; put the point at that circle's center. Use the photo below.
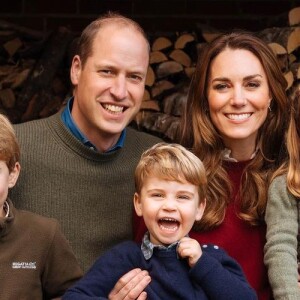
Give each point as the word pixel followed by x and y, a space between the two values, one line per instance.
pixel 172 63
pixel 34 75
pixel 34 71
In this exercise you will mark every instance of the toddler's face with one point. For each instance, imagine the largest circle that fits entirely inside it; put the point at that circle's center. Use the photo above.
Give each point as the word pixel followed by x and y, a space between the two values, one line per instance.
pixel 169 208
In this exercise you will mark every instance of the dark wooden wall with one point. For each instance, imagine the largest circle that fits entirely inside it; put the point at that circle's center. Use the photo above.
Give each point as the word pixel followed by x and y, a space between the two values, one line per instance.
pixel 153 15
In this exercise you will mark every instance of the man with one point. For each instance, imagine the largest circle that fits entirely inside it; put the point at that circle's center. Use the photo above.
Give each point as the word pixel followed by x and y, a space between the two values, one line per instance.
pixel 78 165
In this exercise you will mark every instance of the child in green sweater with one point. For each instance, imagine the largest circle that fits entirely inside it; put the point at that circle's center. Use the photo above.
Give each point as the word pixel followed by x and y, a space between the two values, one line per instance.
pixel 36 261
pixel 282 217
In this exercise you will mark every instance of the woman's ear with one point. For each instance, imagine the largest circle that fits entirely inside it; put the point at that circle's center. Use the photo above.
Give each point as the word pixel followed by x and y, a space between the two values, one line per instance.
pixel 200 210
pixel 137 204
pixel 13 175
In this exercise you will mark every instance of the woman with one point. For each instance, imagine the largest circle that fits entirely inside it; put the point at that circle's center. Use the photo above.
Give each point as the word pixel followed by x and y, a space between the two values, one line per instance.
pixel 282 217
pixel 235 123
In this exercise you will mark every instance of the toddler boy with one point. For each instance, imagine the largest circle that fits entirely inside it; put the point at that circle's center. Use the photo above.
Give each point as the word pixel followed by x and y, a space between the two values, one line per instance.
pixel 170 186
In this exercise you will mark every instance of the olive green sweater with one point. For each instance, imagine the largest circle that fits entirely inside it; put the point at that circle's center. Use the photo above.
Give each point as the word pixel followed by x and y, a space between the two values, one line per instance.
pixel 90 193
pixel 282 218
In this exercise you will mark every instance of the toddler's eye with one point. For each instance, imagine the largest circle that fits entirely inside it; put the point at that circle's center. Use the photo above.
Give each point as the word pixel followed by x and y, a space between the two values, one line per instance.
pixel 158 195
pixel 184 197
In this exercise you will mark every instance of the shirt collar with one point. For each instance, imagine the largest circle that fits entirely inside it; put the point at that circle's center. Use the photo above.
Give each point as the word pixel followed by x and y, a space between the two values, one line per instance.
pixel 6 209
pixel 226 153
pixel 147 247
pixel 70 124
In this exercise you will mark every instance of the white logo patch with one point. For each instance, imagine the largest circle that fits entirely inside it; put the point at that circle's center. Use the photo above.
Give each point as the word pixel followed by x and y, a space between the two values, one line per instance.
pixel 23 265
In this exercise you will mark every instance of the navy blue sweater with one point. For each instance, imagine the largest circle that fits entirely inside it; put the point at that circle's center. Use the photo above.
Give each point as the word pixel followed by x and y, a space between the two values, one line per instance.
pixel 215 275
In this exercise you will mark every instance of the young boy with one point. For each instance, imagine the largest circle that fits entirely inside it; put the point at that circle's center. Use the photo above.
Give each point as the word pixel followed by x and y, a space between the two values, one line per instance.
pixel 36 261
pixel 170 195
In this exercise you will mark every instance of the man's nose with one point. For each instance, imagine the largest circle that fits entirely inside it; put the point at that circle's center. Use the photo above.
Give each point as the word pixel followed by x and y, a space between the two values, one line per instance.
pixel 119 88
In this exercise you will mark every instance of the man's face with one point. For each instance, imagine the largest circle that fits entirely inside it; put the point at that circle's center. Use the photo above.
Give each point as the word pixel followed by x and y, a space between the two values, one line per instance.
pixel 109 88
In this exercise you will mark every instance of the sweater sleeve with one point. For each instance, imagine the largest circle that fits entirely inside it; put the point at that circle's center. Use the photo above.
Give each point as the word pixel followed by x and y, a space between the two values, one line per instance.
pixel 61 267
pixel 220 276
pixel 281 246
pixel 98 282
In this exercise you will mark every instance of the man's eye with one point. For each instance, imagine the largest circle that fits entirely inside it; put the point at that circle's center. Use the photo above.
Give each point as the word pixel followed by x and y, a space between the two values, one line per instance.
pixel 108 72
pixel 136 77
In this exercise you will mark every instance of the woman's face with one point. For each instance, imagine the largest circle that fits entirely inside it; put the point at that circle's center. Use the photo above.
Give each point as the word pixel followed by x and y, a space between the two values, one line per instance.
pixel 238 97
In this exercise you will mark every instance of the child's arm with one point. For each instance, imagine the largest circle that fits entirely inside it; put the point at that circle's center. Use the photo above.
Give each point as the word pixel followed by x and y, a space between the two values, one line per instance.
pixel 102 280
pixel 131 286
pixel 219 275
pixel 61 269
pixel 123 290
pixel 281 246
pixel 190 249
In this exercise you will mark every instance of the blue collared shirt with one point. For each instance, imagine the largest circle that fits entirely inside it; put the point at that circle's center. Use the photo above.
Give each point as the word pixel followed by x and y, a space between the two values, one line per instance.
pixel 70 124
pixel 147 247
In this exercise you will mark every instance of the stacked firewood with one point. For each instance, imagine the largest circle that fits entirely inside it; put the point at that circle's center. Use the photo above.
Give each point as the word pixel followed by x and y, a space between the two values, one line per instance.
pixel 171 67
pixel 34 75
pixel 34 71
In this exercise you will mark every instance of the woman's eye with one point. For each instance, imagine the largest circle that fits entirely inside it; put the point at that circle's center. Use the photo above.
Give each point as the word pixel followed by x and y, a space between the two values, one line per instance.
pixel 220 86
pixel 253 84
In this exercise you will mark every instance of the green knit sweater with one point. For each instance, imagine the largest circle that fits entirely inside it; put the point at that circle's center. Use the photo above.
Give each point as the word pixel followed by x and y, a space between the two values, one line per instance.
pixel 282 215
pixel 90 193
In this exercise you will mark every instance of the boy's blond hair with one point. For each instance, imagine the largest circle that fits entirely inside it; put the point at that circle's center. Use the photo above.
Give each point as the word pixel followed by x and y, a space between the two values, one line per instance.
pixel 9 147
pixel 171 162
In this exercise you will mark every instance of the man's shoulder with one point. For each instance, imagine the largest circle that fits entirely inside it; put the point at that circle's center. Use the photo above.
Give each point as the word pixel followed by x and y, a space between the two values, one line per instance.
pixel 35 132
pixel 35 125
pixel 143 137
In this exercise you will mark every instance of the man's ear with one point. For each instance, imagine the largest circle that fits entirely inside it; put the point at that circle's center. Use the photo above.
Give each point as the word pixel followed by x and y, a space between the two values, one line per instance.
pixel 75 70
pixel 200 210
pixel 13 175
pixel 137 204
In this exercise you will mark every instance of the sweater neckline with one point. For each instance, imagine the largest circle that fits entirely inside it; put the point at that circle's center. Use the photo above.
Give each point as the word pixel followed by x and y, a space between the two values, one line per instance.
pixel 70 142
